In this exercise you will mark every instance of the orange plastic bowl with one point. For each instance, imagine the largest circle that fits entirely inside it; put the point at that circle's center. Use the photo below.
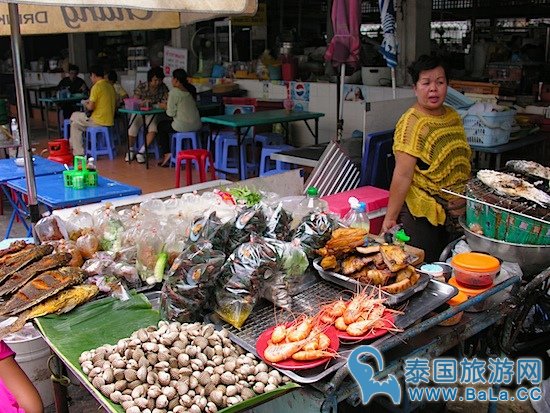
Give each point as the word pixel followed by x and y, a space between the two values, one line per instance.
pixel 475 269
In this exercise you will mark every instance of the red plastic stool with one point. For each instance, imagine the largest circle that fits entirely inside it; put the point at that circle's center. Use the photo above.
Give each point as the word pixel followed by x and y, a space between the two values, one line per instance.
pixel 198 155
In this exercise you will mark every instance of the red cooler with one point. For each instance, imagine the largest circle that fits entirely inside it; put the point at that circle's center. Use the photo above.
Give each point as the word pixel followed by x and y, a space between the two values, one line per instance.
pixel 375 199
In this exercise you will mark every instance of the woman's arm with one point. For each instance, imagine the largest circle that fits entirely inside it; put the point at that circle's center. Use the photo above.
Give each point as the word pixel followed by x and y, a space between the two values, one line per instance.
pixel 400 184
pixel 20 386
pixel 171 105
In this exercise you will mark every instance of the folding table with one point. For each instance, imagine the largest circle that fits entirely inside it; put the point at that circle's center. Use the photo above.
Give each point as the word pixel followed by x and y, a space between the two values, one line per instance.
pixel 268 117
pixel 10 171
pixel 51 192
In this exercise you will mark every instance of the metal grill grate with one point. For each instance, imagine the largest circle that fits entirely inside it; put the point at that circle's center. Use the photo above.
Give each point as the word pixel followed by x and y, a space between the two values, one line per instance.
pixel 481 193
pixel 307 302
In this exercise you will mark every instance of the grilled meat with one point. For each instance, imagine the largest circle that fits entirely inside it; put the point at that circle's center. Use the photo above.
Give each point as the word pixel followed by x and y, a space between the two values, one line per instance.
pixel 371 249
pixel 23 258
pixel 20 278
pixel 329 262
pixel 345 240
pixel 355 263
pixel 42 287
pixel 394 257
pixel 378 277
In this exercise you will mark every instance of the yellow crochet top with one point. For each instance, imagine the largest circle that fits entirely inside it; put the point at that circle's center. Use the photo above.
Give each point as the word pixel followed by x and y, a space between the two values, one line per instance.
pixel 439 143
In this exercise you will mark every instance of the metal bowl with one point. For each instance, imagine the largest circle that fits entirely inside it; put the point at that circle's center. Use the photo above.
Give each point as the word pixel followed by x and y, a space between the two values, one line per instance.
pixel 532 259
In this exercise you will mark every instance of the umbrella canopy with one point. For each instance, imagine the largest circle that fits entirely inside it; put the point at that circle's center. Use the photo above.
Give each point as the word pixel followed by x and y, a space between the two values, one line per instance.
pixel 344 47
pixel 196 10
pixel 65 18
pixel 389 45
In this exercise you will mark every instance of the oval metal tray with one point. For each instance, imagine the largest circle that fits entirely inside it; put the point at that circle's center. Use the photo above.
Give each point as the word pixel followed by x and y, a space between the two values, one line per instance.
pixel 354 285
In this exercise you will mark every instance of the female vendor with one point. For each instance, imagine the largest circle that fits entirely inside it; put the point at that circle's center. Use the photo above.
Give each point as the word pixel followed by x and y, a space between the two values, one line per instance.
pixel 431 153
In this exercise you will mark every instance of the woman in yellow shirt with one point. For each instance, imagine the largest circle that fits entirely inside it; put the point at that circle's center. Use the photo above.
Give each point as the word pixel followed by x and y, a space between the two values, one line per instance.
pixel 431 153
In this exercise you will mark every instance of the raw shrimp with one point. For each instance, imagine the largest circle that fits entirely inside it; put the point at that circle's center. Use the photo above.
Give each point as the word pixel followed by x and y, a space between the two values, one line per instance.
pixel 280 352
pixel 312 355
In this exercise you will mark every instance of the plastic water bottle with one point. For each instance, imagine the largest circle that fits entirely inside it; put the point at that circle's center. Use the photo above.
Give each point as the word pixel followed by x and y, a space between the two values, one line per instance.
pixel 312 202
pixel 91 165
pixel 15 131
pixel 357 216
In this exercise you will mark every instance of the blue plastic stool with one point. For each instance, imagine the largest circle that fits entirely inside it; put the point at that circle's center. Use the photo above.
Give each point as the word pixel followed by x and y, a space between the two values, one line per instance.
pixel 265 160
pixel 269 138
pixel 99 142
pixel 152 148
pixel 229 164
pixel 218 138
pixel 66 128
pixel 178 141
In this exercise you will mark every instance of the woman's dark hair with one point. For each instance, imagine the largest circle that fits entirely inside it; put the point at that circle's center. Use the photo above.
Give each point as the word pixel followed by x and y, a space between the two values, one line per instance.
pixel 112 76
pixel 97 70
pixel 155 72
pixel 426 62
pixel 73 68
pixel 181 76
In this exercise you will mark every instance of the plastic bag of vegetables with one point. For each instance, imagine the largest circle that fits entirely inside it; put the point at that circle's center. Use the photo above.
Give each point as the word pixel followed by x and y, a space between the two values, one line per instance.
pixel 239 285
pixel 188 290
pixel 151 259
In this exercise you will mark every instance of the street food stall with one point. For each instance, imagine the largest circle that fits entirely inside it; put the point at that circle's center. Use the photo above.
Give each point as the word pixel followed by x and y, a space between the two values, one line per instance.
pixel 247 317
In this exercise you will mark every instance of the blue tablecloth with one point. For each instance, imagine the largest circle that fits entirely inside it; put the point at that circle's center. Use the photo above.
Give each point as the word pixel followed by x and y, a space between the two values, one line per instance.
pixel 42 166
pixel 52 193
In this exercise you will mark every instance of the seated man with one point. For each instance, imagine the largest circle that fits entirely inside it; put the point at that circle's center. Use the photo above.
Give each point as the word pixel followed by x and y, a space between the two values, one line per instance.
pixel 102 105
pixel 73 84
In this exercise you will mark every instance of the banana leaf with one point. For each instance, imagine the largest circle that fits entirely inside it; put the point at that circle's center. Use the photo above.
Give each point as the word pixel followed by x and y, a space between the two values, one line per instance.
pixel 105 321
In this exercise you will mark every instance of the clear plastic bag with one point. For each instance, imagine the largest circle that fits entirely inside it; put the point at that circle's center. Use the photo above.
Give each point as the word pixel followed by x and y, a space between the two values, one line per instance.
pixel 239 285
pixel 188 290
pixel 314 231
pixel 149 248
pixel 249 221
pixel 87 243
pixel 278 222
pixel 77 222
pixel 70 247
pixel 51 228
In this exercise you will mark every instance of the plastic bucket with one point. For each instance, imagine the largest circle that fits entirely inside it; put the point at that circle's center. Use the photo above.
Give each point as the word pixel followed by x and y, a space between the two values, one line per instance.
pixel 32 355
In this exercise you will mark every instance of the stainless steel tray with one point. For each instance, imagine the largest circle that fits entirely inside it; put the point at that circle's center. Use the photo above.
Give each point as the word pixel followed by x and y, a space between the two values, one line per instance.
pixel 309 302
pixel 354 285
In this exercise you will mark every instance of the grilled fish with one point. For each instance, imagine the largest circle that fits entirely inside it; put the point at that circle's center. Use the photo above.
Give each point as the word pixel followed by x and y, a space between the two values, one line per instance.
pixel 505 184
pixel 42 287
pixel 529 168
pixel 62 302
pixel 355 263
pixel 14 247
pixel 20 278
pixel 23 258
